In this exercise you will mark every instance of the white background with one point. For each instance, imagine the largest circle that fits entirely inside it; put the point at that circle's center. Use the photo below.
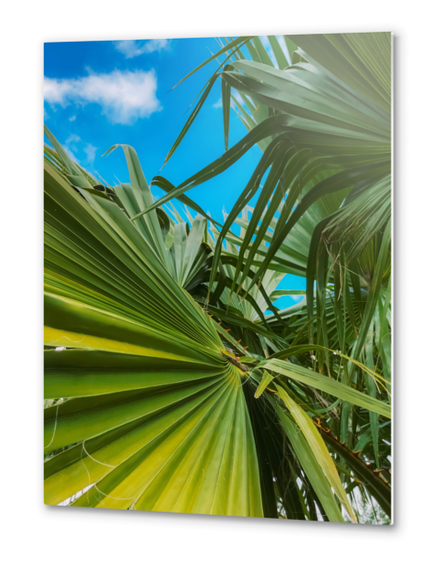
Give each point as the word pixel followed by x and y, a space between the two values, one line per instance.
pixel 32 531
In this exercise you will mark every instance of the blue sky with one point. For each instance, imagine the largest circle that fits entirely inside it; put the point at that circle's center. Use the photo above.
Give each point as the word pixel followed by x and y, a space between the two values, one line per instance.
pixel 106 92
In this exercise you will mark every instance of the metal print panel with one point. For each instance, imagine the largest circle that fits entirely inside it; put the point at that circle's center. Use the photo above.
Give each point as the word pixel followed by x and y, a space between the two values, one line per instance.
pixel 218 335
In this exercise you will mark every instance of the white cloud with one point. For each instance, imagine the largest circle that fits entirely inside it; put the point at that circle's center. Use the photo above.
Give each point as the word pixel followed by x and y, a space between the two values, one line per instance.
pixel 218 104
pixel 55 91
pixel 133 49
pixel 72 118
pixel 74 144
pixel 124 96
pixel 90 151
pixel 72 139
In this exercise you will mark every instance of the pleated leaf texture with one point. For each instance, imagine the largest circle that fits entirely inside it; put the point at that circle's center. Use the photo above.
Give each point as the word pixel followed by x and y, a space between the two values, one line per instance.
pixel 155 416
pixel 172 382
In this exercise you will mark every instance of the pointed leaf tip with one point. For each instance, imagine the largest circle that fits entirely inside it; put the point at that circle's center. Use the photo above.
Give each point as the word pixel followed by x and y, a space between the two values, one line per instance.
pixel 266 379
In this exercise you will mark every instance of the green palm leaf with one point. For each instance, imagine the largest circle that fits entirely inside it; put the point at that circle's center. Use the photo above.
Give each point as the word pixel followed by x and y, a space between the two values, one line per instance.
pixel 144 366
pixel 157 331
